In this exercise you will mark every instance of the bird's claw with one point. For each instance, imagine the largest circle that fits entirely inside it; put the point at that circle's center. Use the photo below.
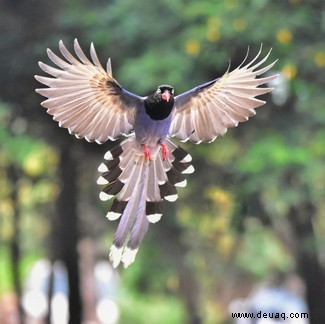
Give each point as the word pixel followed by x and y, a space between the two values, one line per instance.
pixel 147 155
pixel 165 152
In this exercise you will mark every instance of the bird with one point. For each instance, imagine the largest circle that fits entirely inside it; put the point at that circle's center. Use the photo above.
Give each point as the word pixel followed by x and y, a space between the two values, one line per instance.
pixel 146 167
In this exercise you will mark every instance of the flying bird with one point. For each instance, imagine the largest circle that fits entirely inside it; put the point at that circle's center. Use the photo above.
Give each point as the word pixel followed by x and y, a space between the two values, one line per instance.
pixel 146 167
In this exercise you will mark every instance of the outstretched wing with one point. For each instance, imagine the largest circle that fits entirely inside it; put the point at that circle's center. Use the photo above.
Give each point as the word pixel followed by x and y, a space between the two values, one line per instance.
pixel 86 99
pixel 208 110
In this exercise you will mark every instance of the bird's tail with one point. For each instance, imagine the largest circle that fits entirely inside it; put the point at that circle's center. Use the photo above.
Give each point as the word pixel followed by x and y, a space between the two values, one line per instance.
pixel 138 187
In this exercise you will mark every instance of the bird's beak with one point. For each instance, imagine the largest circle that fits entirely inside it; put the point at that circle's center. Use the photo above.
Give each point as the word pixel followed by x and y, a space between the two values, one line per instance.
pixel 166 95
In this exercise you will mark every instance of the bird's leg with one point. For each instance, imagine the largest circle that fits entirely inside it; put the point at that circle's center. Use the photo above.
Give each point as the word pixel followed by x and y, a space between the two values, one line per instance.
pixel 147 155
pixel 164 149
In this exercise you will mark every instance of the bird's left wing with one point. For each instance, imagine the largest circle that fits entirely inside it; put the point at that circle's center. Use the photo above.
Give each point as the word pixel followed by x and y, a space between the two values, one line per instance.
pixel 86 99
pixel 208 110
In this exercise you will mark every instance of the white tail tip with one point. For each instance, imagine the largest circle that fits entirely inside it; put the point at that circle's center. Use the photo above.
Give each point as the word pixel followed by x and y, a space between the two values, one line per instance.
pixel 115 256
pixel 102 168
pixel 187 158
pixel 171 197
pixel 128 256
pixel 104 196
pixel 154 218
pixel 108 156
pixel 189 170
pixel 181 184
pixel 102 181
pixel 112 215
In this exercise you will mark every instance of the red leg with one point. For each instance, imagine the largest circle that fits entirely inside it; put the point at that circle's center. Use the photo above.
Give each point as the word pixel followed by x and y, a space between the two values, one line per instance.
pixel 146 151
pixel 165 152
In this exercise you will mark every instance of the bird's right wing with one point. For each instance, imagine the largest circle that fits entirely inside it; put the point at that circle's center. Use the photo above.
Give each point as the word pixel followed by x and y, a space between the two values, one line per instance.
pixel 86 99
pixel 207 111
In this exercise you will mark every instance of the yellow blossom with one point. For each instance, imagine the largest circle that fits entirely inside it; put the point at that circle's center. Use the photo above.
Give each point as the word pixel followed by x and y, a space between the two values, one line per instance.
pixel 6 207
pixel 289 71
pixel 214 22
pixel 240 24
pixel 284 36
pixel 33 165
pixel 231 4
pixel 193 47
pixel 38 161
pixel 222 199
pixel 213 32
pixel 225 245
pixel 319 58
pixel 213 35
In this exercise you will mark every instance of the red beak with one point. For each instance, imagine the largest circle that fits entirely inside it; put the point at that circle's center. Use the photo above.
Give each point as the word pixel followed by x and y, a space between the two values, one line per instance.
pixel 166 95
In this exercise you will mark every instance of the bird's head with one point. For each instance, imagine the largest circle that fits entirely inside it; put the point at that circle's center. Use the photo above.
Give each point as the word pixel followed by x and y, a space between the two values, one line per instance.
pixel 159 104
pixel 165 92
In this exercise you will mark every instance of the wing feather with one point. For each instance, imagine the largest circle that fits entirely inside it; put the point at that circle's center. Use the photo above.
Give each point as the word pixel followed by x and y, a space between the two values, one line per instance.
pixel 68 56
pixel 86 99
pixel 208 110
pixel 80 53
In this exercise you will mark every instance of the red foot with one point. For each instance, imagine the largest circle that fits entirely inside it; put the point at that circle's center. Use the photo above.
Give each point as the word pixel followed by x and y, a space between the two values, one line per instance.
pixel 165 152
pixel 146 151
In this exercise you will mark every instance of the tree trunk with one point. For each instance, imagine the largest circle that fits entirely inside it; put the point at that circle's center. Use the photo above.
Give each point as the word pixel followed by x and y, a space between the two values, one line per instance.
pixel 66 231
pixel 308 264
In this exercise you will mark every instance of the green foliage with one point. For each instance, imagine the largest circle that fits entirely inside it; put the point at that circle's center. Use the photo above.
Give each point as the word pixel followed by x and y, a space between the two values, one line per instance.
pixel 273 153
pixel 32 155
pixel 5 268
pixel 26 194
pixel 156 309
pixel 261 253
pixel 5 275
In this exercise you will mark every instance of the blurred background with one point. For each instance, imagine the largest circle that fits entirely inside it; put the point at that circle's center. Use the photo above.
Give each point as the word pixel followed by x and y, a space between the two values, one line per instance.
pixel 246 234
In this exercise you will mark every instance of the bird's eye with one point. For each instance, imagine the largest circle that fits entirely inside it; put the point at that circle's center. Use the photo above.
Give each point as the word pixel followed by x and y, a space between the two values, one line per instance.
pixel 172 91
pixel 159 90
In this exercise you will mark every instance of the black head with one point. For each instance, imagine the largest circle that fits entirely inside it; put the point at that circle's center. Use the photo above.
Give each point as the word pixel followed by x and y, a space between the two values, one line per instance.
pixel 160 103
pixel 166 92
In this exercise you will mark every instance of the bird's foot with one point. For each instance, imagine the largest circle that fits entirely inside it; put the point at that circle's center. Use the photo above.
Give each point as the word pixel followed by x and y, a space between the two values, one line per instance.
pixel 164 150
pixel 147 155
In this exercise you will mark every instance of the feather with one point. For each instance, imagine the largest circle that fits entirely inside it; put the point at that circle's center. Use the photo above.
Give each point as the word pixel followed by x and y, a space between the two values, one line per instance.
pixel 138 186
pixel 84 98
pixel 207 111
pixel 141 223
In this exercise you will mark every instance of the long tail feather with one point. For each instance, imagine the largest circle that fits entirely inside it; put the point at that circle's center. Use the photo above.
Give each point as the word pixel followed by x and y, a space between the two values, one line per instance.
pixel 138 187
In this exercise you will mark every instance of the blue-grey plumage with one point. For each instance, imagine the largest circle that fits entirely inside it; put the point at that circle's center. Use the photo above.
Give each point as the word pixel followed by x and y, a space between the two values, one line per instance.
pixel 149 131
pixel 146 167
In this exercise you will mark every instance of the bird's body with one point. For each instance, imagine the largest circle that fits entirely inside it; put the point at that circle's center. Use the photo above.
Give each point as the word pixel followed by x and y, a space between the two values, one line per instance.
pixel 146 167
pixel 151 131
